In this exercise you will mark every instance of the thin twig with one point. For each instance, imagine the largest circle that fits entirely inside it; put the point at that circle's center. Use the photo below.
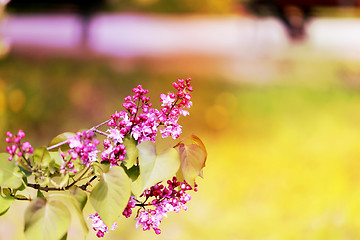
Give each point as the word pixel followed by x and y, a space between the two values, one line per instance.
pixel 79 178
pixel 101 132
pixel 83 187
pixel 46 189
pixel 66 141
pixel 57 145
pixel 99 125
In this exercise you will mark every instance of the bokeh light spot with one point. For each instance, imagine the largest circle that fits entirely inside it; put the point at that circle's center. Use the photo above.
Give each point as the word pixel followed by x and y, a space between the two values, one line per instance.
pixel 228 100
pixel 2 85
pixel 217 117
pixel 16 100
pixel 2 102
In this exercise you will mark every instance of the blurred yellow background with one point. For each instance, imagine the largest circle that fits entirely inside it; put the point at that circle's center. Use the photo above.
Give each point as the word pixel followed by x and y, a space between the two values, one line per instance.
pixel 281 130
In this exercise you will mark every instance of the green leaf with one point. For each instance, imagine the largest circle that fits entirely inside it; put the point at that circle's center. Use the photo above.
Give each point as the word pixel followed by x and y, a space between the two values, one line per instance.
pixel 25 171
pixel 23 185
pixel 100 168
pixel 80 196
pixel 39 194
pixel 56 179
pixel 21 197
pixel 57 158
pixel 111 195
pixel 155 167
pixel 75 202
pixel 10 174
pixel 59 139
pixel 131 151
pixel 5 203
pixel 64 180
pixel 42 156
pixel 64 237
pixel 137 187
pixel 46 220
pixel 179 176
pixel 7 191
pixel 42 180
pixel 133 173
pixel 192 157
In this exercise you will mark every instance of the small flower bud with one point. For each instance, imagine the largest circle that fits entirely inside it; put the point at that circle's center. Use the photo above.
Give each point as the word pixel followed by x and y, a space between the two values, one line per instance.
pixel 21 134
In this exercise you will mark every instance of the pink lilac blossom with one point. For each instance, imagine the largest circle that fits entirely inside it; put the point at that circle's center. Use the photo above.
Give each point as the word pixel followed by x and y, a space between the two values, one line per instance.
pixel 17 148
pixel 166 199
pixel 173 107
pixel 145 127
pixel 115 135
pixel 131 204
pixel 142 122
pixel 149 219
pixel 67 166
pixel 112 153
pixel 167 100
pixel 99 226
pixel 84 146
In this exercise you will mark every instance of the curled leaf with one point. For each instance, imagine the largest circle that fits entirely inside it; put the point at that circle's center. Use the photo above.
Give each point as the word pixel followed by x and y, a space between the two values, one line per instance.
pixel 21 197
pixel 5 203
pixel 192 158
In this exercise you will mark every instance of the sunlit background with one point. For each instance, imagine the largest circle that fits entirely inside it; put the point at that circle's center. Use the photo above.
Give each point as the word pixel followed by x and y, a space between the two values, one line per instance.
pixel 276 102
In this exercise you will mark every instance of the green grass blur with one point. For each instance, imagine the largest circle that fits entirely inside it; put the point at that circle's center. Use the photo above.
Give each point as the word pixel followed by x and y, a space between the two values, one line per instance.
pixel 283 154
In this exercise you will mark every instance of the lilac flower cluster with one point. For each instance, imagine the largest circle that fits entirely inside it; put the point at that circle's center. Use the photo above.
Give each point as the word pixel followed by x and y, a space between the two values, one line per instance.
pixel 165 199
pixel 113 153
pixel 173 107
pixel 142 122
pixel 99 226
pixel 139 119
pixel 17 148
pixel 83 146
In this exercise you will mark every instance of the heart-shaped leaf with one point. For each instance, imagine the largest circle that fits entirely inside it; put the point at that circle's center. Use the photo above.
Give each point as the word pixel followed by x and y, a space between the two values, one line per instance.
pixel 192 157
pixel 155 167
pixel 75 202
pixel 80 196
pixel 10 174
pixel 46 220
pixel 111 195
